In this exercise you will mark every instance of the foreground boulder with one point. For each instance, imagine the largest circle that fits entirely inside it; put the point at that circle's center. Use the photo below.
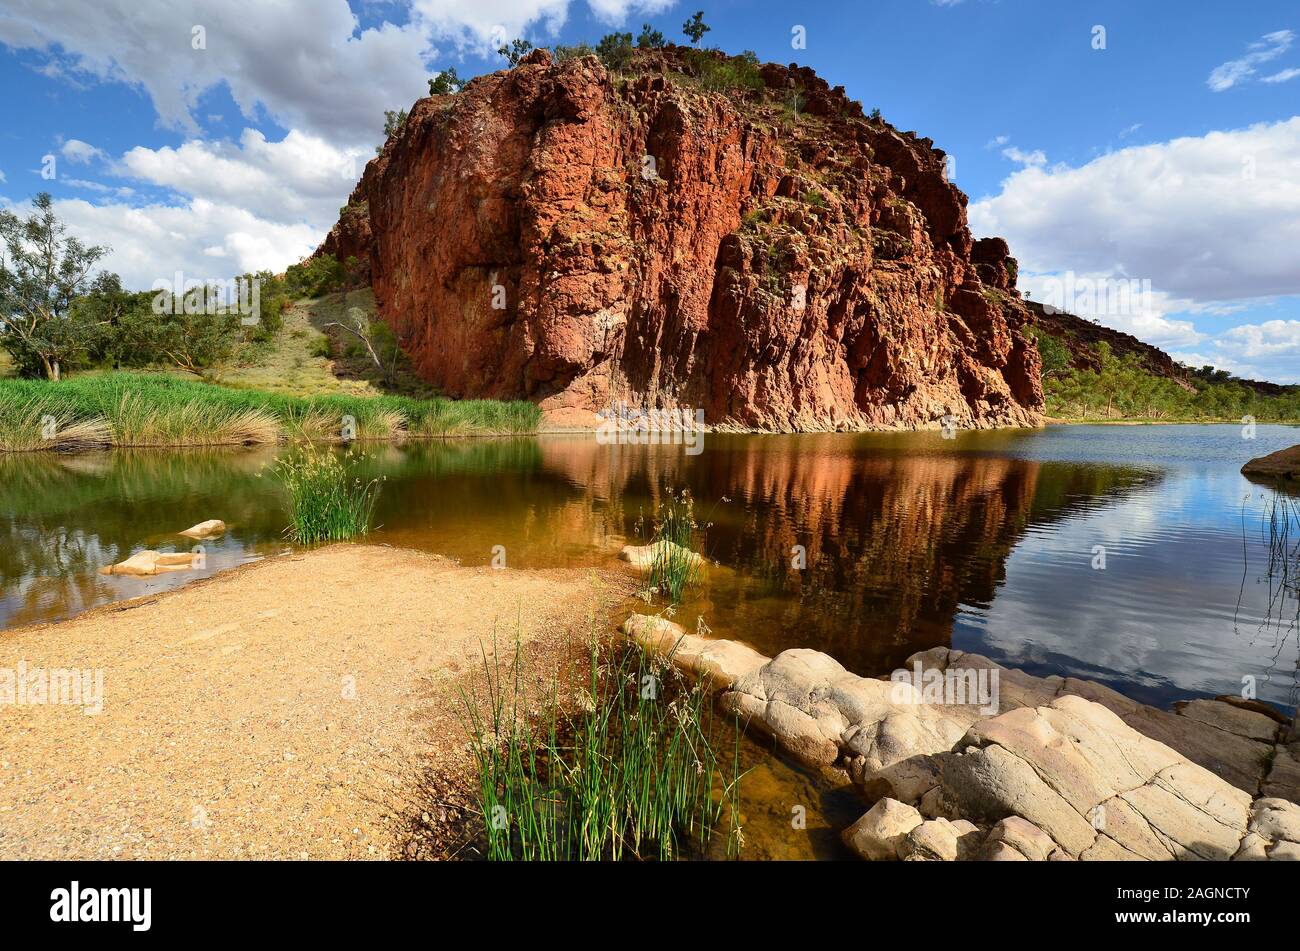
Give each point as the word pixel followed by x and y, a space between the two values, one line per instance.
pixel 1283 464
pixel 766 253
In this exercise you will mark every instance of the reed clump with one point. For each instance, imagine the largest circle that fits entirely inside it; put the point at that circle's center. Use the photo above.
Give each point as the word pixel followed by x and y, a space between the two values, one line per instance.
pixel 676 566
pixel 328 500
pixel 624 767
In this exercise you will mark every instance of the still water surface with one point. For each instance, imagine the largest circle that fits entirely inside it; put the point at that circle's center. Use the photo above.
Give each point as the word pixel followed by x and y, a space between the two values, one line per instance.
pixel 986 542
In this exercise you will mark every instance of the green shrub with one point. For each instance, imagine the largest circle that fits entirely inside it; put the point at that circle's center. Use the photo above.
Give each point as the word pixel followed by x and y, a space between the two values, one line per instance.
pixel 565 53
pixel 446 83
pixel 615 50
pixel 650 39
pixel 315 277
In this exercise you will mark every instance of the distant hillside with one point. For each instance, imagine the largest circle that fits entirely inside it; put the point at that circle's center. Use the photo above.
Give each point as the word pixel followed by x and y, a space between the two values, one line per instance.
pixel 1081 337
pixel 1094 372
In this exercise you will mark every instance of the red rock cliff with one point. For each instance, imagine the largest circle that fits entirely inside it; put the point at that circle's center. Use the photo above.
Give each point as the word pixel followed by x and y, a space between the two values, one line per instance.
pixel 766 253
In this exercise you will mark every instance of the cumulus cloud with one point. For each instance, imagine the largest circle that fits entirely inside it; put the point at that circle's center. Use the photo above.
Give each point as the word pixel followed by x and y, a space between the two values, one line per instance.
pixel 303 61
pixel 301 178
pixel 1233 72
pixel 616 11
pixel 1269 340
pixel 1206 219
pixel 1021 157
pixel 1132 306
pixel 306 63
pixel 82 153
pixel 201 238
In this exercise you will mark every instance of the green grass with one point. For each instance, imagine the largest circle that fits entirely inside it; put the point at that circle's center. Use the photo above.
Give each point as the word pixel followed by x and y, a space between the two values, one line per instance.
pixel 676 565
pixel 328 500
pixel 142 409
pixel 631 774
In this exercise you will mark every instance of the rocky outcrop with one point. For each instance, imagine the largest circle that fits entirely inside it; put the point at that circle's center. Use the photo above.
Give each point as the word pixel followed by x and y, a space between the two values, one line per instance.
pixel 1041 769
pixel 690 232
pixel 1283 464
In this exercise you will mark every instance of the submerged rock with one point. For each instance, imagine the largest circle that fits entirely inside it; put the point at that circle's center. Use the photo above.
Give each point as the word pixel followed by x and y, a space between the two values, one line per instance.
pixel 148 562
pixel 209 529
pixel 643 556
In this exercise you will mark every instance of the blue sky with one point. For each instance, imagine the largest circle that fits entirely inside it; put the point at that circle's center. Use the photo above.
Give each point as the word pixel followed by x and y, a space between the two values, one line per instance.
pixel 1163 151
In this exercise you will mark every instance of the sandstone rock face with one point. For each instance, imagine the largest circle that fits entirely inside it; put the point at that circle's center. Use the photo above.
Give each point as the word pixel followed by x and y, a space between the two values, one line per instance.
pixel 767 255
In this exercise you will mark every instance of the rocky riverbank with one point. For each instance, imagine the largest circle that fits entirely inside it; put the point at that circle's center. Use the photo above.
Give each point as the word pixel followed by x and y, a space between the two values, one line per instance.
pixel 1051 768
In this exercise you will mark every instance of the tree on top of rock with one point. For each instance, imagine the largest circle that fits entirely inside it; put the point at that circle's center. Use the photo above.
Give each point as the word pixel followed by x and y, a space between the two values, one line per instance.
pixel 650 39
pixel 514 51
pixel 445 83
pixel 615 50
pixel 695 27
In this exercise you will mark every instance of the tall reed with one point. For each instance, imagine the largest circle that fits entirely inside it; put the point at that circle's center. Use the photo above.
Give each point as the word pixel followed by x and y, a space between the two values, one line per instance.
pixel 630 773
pixel 676 564
pixel 327 500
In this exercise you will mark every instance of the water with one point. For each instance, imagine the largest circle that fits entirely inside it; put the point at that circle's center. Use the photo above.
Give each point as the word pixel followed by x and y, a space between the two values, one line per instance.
pixel 986 542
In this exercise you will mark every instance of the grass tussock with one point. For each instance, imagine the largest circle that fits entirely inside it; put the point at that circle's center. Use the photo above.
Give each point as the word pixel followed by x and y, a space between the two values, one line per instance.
pixel 676 566
pixel 328 501
pixel 631 773
pixel 138 409
pixel 33 426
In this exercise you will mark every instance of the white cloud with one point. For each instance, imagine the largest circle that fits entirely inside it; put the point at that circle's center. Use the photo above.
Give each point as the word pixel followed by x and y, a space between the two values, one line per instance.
pixel 298 179
pixel 121 192
pixel 2 177
pixel 203 239
pixel 996 141
pixel 305 62
pixel 301 60
pixel 1271 339
pixel 616 11
pixel 1282 77
pixel 82 153
pixel 1207 219
pixel 1020 157
pixel 1268 47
